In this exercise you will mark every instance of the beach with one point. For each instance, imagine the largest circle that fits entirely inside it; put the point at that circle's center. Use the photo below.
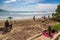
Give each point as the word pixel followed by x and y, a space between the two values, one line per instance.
pixel 24 29
pixel 29 19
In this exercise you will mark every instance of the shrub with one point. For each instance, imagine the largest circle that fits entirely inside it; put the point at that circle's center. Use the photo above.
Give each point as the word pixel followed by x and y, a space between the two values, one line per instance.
pixel 56 27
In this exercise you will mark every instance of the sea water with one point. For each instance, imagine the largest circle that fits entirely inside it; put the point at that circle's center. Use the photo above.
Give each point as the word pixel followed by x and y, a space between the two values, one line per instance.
pixel 5 15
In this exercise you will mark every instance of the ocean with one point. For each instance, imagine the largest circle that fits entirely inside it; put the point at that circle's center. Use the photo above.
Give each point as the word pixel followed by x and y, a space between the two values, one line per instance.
pixel 5 15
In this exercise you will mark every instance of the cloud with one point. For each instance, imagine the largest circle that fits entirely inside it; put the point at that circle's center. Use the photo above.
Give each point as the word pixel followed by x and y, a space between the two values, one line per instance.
pixel 46 7
pixel 37 7
pixel 24 1
pixel 9 1
pixel 30 1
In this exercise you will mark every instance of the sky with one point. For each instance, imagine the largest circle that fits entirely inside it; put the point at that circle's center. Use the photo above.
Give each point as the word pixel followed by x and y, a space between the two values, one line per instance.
pixel 29 5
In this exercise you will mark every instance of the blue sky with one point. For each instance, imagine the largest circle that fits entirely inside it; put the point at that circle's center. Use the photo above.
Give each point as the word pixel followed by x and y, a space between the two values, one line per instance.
pixel 29 5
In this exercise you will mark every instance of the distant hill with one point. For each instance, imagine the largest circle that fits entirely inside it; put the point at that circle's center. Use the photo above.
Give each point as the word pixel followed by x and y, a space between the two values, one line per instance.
pixel 2 10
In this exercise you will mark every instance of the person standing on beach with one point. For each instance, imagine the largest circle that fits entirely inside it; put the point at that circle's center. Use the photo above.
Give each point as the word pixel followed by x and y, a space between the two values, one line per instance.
pixel 44 17
pixel 34 18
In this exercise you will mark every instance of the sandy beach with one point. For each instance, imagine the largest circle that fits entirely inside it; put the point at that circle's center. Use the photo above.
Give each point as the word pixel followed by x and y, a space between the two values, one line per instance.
pixel 24 29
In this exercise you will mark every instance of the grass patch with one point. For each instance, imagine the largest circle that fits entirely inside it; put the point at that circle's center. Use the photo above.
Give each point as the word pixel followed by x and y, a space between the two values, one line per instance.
pixel 56 27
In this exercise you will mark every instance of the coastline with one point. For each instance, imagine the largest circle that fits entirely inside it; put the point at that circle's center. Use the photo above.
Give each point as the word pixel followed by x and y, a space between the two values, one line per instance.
pixel 23 17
